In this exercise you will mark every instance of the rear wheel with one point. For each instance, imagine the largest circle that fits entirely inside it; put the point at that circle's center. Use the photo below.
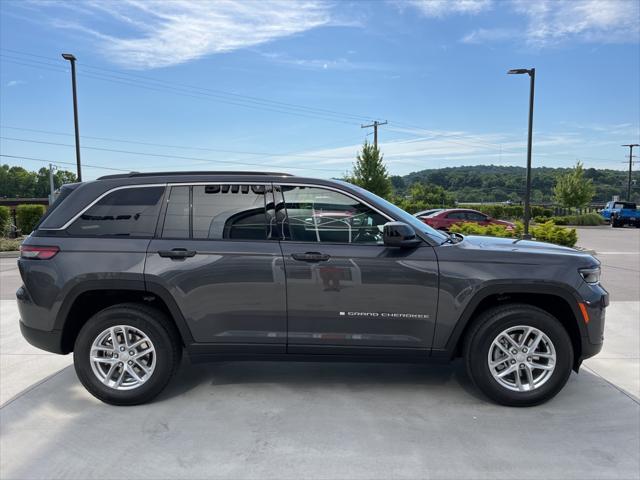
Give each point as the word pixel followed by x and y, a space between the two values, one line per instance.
pixel 518 355
pixel 126 354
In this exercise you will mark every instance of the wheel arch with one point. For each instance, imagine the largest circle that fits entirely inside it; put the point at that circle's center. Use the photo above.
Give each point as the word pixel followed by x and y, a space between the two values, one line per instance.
pixel 90 297
pixel 555 299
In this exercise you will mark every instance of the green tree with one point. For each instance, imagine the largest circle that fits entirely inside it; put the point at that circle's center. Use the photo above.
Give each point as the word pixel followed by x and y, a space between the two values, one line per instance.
pixel 369 171
pixel 572 189
pixel 17 182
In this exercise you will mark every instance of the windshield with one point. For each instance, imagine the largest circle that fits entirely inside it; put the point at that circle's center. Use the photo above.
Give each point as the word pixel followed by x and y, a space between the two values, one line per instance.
pixel 400 214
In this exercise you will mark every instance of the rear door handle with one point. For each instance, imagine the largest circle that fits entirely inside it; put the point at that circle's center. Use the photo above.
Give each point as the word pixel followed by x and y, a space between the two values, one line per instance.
pixel 310 257
pixel 177 253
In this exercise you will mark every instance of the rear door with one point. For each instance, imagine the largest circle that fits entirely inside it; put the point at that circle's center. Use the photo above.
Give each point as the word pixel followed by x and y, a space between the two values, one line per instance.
pixel 216 255
pixel 345 289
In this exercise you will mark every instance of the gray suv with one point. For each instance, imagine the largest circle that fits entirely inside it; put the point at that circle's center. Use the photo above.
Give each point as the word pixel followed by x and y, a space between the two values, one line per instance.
pixel 129 271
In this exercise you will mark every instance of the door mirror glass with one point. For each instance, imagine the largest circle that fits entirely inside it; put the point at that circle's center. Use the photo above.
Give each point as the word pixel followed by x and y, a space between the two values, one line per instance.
pixel 400 234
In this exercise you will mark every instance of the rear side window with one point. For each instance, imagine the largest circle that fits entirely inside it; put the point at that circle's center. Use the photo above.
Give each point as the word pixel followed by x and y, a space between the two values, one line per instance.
pixel 457 216
pixel 217 212
pixel 128 212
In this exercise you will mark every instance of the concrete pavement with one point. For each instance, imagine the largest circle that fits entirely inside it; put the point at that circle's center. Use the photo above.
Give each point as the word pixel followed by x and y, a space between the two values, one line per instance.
pixel 292 420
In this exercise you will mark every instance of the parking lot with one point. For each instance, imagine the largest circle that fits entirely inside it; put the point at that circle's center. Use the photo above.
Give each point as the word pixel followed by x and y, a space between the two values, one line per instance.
pixel 293 420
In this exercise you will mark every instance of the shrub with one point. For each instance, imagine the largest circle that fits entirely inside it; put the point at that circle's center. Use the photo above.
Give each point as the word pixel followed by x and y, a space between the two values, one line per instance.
pixel 5 220
pixel 10 244
pixel 468 228
pixel 580 220
pixel 552 233
pixel 546 232
pixel 27 217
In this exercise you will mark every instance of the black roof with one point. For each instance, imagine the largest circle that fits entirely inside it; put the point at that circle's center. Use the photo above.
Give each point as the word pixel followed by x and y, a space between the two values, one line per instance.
pixel 173 174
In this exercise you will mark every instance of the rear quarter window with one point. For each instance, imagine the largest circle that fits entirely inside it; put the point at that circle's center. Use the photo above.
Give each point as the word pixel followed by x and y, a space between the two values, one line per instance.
pixel 128 212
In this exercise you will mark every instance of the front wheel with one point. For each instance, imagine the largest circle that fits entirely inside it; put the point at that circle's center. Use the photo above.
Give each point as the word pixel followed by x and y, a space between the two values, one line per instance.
pixel 126 354
pixel 518 355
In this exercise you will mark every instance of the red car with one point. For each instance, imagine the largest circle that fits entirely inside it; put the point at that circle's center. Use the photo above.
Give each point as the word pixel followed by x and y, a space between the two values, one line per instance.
pixel 444 219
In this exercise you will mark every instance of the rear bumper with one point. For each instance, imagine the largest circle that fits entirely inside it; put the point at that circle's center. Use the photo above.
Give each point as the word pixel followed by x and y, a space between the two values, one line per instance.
pixel 49 341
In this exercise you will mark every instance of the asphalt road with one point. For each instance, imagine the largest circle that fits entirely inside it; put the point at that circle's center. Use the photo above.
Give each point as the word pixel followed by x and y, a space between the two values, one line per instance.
pixel 293 420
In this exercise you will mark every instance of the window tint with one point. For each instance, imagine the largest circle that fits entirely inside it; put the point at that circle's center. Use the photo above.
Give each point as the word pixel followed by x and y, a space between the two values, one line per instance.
pixel 176 220
pixel 229 212
pixel 475 217
pixel 319 215
pixel 128 212
pixel 456 216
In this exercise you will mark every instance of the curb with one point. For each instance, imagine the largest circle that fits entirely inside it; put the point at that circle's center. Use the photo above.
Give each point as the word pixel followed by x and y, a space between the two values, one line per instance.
pixel 13 254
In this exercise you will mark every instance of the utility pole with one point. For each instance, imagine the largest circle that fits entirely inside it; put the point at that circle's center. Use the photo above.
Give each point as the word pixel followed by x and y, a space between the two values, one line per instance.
pixel 52 185
pixel 375 126
pixel 630 145
pixel 72 60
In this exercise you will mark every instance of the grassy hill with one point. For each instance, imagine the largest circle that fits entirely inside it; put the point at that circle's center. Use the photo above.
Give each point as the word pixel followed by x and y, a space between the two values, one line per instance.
pixel 492 183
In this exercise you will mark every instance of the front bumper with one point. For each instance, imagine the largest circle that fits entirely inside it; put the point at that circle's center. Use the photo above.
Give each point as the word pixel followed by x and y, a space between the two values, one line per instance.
pixel 592 337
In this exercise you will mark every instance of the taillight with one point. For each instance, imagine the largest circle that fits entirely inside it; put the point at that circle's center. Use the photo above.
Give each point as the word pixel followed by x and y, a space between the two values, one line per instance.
pixel 38 252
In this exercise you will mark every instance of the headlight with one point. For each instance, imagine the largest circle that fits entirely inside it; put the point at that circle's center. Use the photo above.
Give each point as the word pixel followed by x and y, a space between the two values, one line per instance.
pixel 591 275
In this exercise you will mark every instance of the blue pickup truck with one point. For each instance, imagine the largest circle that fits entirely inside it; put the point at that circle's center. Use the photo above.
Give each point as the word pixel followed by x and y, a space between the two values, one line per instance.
pixel 621 213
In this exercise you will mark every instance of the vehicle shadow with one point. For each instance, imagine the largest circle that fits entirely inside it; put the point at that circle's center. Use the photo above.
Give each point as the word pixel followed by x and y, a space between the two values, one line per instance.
pixel 354 376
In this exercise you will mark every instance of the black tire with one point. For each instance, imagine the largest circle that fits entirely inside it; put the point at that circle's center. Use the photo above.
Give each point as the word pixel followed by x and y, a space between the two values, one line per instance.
pixel 155 325
pixel 494 321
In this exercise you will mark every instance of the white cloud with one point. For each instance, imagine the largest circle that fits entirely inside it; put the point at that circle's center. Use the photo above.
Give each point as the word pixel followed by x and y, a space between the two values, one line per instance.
pixel 161 33
pixel 320 64
pixel 607 21
pixel 484 35
pixel 15 83
pixel 441 8
pixel 552 22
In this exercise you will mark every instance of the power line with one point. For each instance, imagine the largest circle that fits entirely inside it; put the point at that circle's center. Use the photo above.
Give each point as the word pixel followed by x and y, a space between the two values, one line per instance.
pixel 254 102
pixel 62 162
pixel 159 155
pixel 179 91
pixel 213 91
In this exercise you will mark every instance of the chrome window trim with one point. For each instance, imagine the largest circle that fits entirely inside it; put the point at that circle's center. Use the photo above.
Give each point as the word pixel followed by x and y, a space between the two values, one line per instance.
pixel 100 197
pixel 179 184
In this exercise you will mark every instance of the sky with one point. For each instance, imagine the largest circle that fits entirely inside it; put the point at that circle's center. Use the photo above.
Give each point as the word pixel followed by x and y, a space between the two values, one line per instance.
pixel 286 86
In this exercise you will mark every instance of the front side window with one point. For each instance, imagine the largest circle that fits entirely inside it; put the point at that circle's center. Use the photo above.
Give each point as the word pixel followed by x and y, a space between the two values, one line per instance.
pixel 320 215
pixel 127 212
pixel 456 216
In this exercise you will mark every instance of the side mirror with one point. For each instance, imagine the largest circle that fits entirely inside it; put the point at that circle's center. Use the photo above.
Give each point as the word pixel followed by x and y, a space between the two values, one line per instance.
pixel 400 234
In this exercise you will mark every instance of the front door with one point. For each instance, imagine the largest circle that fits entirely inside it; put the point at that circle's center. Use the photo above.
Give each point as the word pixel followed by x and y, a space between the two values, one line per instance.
pixel 345 289
pixel 216 256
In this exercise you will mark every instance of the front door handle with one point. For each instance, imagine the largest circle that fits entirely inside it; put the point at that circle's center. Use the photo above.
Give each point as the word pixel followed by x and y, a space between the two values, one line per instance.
pixel 177 253
pixel 310 257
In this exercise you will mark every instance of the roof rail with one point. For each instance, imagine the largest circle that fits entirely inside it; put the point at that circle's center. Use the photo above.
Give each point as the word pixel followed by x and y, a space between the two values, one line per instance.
pixel 183 173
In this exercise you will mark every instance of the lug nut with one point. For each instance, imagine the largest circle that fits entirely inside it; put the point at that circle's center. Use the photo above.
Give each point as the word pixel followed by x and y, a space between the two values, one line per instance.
pixel 514 351
pixel 131 352
pixel 122 349
pixel 120 364
pixel 524 350
pixel 130 362
pixel 512 362
pixel 522 365
pixel 529 359
pixel 115 355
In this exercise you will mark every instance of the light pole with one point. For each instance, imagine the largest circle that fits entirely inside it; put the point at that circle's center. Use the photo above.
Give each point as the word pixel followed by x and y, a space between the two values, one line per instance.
pixel 72 60
pixel 630 145
pixel 527 197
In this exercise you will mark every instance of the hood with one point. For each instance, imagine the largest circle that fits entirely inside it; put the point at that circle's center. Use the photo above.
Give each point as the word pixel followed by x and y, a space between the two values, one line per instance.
pixel 524 246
